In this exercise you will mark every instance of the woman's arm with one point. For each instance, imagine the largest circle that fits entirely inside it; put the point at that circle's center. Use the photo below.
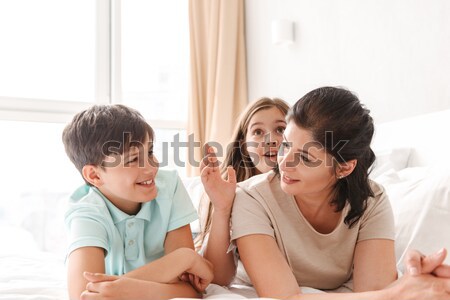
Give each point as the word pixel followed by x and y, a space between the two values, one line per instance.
pixel 86 259
pixel 272 277
pixel 374 265
pixel 265 264
pixel 421 287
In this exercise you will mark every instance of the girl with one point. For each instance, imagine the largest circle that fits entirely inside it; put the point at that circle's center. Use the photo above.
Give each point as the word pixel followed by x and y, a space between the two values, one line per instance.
pixel 253 151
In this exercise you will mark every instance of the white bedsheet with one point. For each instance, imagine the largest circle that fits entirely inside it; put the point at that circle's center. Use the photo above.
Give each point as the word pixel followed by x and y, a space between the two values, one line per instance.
pixel 420 199
pixel 32 276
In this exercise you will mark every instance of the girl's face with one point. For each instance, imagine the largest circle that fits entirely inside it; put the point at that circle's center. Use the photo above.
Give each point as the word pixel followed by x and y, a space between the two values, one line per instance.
pixel 306 169
pixel 264 136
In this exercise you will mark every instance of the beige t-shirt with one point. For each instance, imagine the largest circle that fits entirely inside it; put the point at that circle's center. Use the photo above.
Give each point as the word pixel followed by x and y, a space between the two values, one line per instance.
pixel 321 261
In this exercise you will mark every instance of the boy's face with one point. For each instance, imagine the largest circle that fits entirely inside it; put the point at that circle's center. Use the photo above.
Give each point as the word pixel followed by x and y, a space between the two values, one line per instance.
pixel 129 179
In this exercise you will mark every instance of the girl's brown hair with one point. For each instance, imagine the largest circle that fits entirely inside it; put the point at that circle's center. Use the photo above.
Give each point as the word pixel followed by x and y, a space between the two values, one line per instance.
pixel 238 157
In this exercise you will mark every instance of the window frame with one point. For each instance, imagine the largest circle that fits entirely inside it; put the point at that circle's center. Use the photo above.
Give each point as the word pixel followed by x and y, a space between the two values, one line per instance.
pixel 107 79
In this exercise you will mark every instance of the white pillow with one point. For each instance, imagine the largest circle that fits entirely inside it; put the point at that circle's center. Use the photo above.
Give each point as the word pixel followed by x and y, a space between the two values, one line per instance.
pixel 195 190
pixel 394 158
pixel 420 199
pixel 16 240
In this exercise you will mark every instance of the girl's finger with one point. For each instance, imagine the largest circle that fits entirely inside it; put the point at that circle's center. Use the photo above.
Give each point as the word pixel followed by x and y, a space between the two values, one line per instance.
pixel 231 174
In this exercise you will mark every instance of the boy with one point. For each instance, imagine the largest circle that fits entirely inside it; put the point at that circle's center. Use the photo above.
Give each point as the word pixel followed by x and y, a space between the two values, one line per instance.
pixel 128 214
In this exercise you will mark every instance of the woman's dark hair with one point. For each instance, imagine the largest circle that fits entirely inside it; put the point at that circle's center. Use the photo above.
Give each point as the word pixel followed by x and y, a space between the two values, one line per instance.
pixel 338 121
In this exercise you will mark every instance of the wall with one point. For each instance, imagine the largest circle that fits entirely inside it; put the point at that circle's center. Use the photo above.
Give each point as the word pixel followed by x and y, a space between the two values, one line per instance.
pixel 395 54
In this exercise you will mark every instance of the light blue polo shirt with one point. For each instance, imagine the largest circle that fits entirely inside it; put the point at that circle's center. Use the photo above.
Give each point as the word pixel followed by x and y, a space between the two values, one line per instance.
pixel 129 241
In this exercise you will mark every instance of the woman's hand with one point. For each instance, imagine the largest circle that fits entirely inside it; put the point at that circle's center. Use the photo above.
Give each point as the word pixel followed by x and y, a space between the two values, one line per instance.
pixel 416 263
pixel 422 286
pixel 221 192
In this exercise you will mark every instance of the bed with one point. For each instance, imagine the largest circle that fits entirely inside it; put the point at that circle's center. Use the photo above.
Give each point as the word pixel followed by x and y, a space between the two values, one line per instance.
pixel 411 163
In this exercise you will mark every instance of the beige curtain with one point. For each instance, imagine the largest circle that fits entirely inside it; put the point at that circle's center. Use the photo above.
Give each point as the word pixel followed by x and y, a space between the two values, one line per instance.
pixel 218 88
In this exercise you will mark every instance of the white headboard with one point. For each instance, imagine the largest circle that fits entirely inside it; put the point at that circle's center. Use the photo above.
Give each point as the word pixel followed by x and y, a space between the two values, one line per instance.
pixel 428 136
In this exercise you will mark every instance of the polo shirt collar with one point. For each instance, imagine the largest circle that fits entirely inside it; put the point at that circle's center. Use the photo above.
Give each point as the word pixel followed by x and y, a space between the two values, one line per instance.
pixel 145 212
pixel 119 216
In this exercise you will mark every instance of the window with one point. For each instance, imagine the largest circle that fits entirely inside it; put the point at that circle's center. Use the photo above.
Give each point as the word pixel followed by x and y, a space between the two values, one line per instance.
pixel 154 58
pixel 59 57
pixel 46 52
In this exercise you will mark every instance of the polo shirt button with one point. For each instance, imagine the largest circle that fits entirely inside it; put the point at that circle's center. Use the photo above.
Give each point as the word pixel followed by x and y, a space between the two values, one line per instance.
pixel 130 224
pixel 131 243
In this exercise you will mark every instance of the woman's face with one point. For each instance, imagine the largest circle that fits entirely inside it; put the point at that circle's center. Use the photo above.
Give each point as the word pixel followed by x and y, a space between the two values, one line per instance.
pixel 264 136
pixel 306 169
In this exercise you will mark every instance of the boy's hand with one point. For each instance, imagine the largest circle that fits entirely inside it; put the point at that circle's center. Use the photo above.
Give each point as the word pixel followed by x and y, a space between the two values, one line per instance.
pixel 99 277
pixel 197 283
pixel 107 287
pixel 221 192
pixel 96 287
pixel 199 275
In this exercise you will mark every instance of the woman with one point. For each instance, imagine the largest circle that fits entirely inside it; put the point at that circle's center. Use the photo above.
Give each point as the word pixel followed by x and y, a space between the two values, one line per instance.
pixel 318 220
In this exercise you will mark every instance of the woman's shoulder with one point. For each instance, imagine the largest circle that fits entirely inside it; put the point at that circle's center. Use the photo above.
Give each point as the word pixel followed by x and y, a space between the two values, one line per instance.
pixel 380 199
pixel 377 189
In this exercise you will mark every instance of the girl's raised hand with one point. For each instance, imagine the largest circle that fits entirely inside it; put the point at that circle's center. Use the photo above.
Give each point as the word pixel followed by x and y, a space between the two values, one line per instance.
pixel 220 191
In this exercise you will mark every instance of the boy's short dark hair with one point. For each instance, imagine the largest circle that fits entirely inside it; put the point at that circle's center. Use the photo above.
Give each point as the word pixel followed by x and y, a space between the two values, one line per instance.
pixel 102 130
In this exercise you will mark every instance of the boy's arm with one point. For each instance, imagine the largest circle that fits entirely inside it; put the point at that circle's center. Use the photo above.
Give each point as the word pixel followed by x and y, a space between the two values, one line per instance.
pixel 86 259
pixel 156 279
pixel 119 288
pixel 168 268
pixel 180 258
pixel 179 238
pixel 182 237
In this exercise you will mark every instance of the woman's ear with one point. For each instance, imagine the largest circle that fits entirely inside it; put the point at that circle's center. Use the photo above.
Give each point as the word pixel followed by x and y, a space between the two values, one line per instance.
pixel 346 168
pixel 91 174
